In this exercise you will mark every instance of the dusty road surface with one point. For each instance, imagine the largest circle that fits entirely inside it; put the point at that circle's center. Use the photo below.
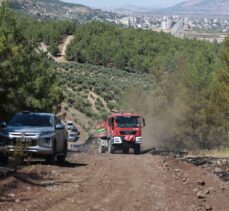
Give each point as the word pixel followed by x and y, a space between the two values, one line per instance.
pixel 94 182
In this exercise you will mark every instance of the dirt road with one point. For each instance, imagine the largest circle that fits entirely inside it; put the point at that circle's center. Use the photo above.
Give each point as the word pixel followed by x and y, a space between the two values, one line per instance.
pixel 62 47
pixel 96 182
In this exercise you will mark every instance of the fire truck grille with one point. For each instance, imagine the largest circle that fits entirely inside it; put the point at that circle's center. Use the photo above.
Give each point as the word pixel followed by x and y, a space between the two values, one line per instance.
pixel 129 132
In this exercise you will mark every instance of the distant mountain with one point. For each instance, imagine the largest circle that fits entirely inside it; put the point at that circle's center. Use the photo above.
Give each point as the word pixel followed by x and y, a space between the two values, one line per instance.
pixel 56 9
pixel 201 6
pixel 132 8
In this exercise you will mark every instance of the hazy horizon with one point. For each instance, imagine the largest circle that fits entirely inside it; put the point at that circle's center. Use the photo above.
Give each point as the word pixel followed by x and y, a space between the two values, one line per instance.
pixel 119 3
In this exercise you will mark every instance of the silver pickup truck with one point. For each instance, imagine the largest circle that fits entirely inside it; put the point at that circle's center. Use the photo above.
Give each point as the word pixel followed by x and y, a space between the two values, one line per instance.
pixel 43 134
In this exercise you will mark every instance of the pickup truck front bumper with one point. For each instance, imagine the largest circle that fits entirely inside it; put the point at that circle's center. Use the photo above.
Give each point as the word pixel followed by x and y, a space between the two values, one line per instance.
pixel 33 150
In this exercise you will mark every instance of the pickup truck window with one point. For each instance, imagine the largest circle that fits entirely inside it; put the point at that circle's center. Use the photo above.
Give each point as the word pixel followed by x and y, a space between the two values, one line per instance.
pixel 31 120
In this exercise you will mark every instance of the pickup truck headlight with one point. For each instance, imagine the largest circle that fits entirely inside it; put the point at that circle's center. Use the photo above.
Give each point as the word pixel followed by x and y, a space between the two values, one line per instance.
pixel 4 139
pixel 138 140
pixel 45 142
pixel 47 134
pixel 117 140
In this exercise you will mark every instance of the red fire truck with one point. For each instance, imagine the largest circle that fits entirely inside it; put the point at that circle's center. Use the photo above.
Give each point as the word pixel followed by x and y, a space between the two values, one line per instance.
pixel 121 131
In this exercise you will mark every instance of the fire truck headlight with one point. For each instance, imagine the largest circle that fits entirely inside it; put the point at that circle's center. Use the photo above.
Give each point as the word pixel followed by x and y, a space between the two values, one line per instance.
pixel 138 140
pixel 117 140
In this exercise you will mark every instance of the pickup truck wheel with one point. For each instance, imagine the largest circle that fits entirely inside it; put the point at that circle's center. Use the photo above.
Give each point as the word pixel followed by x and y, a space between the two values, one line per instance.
pixel 51 159
pixel 61 158
pixel 4 159
pixel 137 149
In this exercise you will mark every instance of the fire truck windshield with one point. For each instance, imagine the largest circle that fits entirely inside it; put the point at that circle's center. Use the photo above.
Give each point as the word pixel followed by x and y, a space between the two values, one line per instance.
pixel 127 121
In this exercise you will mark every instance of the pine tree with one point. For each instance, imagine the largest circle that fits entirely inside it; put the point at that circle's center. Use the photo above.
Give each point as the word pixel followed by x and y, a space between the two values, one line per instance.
pixel 26 80
pixel 219 112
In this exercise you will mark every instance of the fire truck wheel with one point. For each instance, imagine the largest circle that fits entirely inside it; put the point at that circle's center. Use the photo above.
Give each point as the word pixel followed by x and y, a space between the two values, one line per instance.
pixel 101 149
pixel 126 148
pixel 111 148
pixel 137 148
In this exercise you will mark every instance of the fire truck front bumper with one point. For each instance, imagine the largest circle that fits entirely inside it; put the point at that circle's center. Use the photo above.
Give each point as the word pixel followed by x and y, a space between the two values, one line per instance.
pixel 120 140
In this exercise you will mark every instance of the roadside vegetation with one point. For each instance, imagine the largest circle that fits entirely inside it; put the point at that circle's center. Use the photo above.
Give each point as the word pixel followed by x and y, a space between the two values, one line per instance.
pixel 180 85
pixel 135 49
pixel 27 81
pixel 94 90
pixel 187 107
pixel 50 32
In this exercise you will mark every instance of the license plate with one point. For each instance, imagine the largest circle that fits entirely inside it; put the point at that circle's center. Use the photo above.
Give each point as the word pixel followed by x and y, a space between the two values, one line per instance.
pixel 23 142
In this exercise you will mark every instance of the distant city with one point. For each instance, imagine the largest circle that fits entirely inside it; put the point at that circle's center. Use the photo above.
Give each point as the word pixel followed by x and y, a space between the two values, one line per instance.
pixel 210 29
pixel 194 19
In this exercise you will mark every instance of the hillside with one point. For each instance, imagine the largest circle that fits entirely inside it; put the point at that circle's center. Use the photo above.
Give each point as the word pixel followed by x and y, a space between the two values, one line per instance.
pixel 57 9
pixel 201 6
pixel 183 75
pixel 179 85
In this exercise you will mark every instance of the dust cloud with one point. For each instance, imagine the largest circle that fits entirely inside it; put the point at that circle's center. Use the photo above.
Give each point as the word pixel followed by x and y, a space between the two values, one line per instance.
pixel 162 117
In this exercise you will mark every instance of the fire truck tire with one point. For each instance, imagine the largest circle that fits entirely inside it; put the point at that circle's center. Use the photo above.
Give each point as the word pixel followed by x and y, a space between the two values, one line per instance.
pixel 137 149
pixel 102 149
pixel 111 148
pixel 126 148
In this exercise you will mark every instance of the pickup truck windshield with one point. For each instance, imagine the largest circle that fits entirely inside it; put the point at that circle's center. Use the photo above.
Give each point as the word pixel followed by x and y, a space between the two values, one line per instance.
pixel 127 121
pixel 31 120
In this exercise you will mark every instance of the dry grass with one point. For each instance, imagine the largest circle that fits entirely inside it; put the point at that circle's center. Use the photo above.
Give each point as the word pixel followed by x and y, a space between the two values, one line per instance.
pixel 217 153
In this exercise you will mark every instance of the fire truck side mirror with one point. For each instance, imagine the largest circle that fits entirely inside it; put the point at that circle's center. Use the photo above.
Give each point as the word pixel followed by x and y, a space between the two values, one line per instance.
pixel 111 122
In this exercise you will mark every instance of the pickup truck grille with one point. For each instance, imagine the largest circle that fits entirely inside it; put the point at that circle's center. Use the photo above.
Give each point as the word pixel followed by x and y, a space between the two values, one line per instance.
pixel 23 135
pixel 128 132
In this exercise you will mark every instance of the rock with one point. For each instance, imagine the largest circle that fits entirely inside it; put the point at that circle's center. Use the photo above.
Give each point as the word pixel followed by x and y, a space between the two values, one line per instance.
pixel 207 191
pixel 80 201
pixel 54 172
pixel 3 198
pixel 201 182
pixel 200 195
pixel 184 180
pixel 196 190
pixel 177 170
pixel 12 195
pixel 211 189
pixel 28 188
pixel 222 162
pixel 218 170
pixel 208 207
pixel 17 200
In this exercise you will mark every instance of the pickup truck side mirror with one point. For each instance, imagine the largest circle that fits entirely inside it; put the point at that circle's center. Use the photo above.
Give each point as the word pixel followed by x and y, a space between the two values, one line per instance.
pixel 59 127
pixel 3 124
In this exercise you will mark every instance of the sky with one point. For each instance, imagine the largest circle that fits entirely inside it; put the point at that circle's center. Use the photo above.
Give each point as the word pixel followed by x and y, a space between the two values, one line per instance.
pixel 118 3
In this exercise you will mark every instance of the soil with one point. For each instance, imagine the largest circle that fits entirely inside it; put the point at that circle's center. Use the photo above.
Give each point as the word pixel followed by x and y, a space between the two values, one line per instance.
pixel 96 182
